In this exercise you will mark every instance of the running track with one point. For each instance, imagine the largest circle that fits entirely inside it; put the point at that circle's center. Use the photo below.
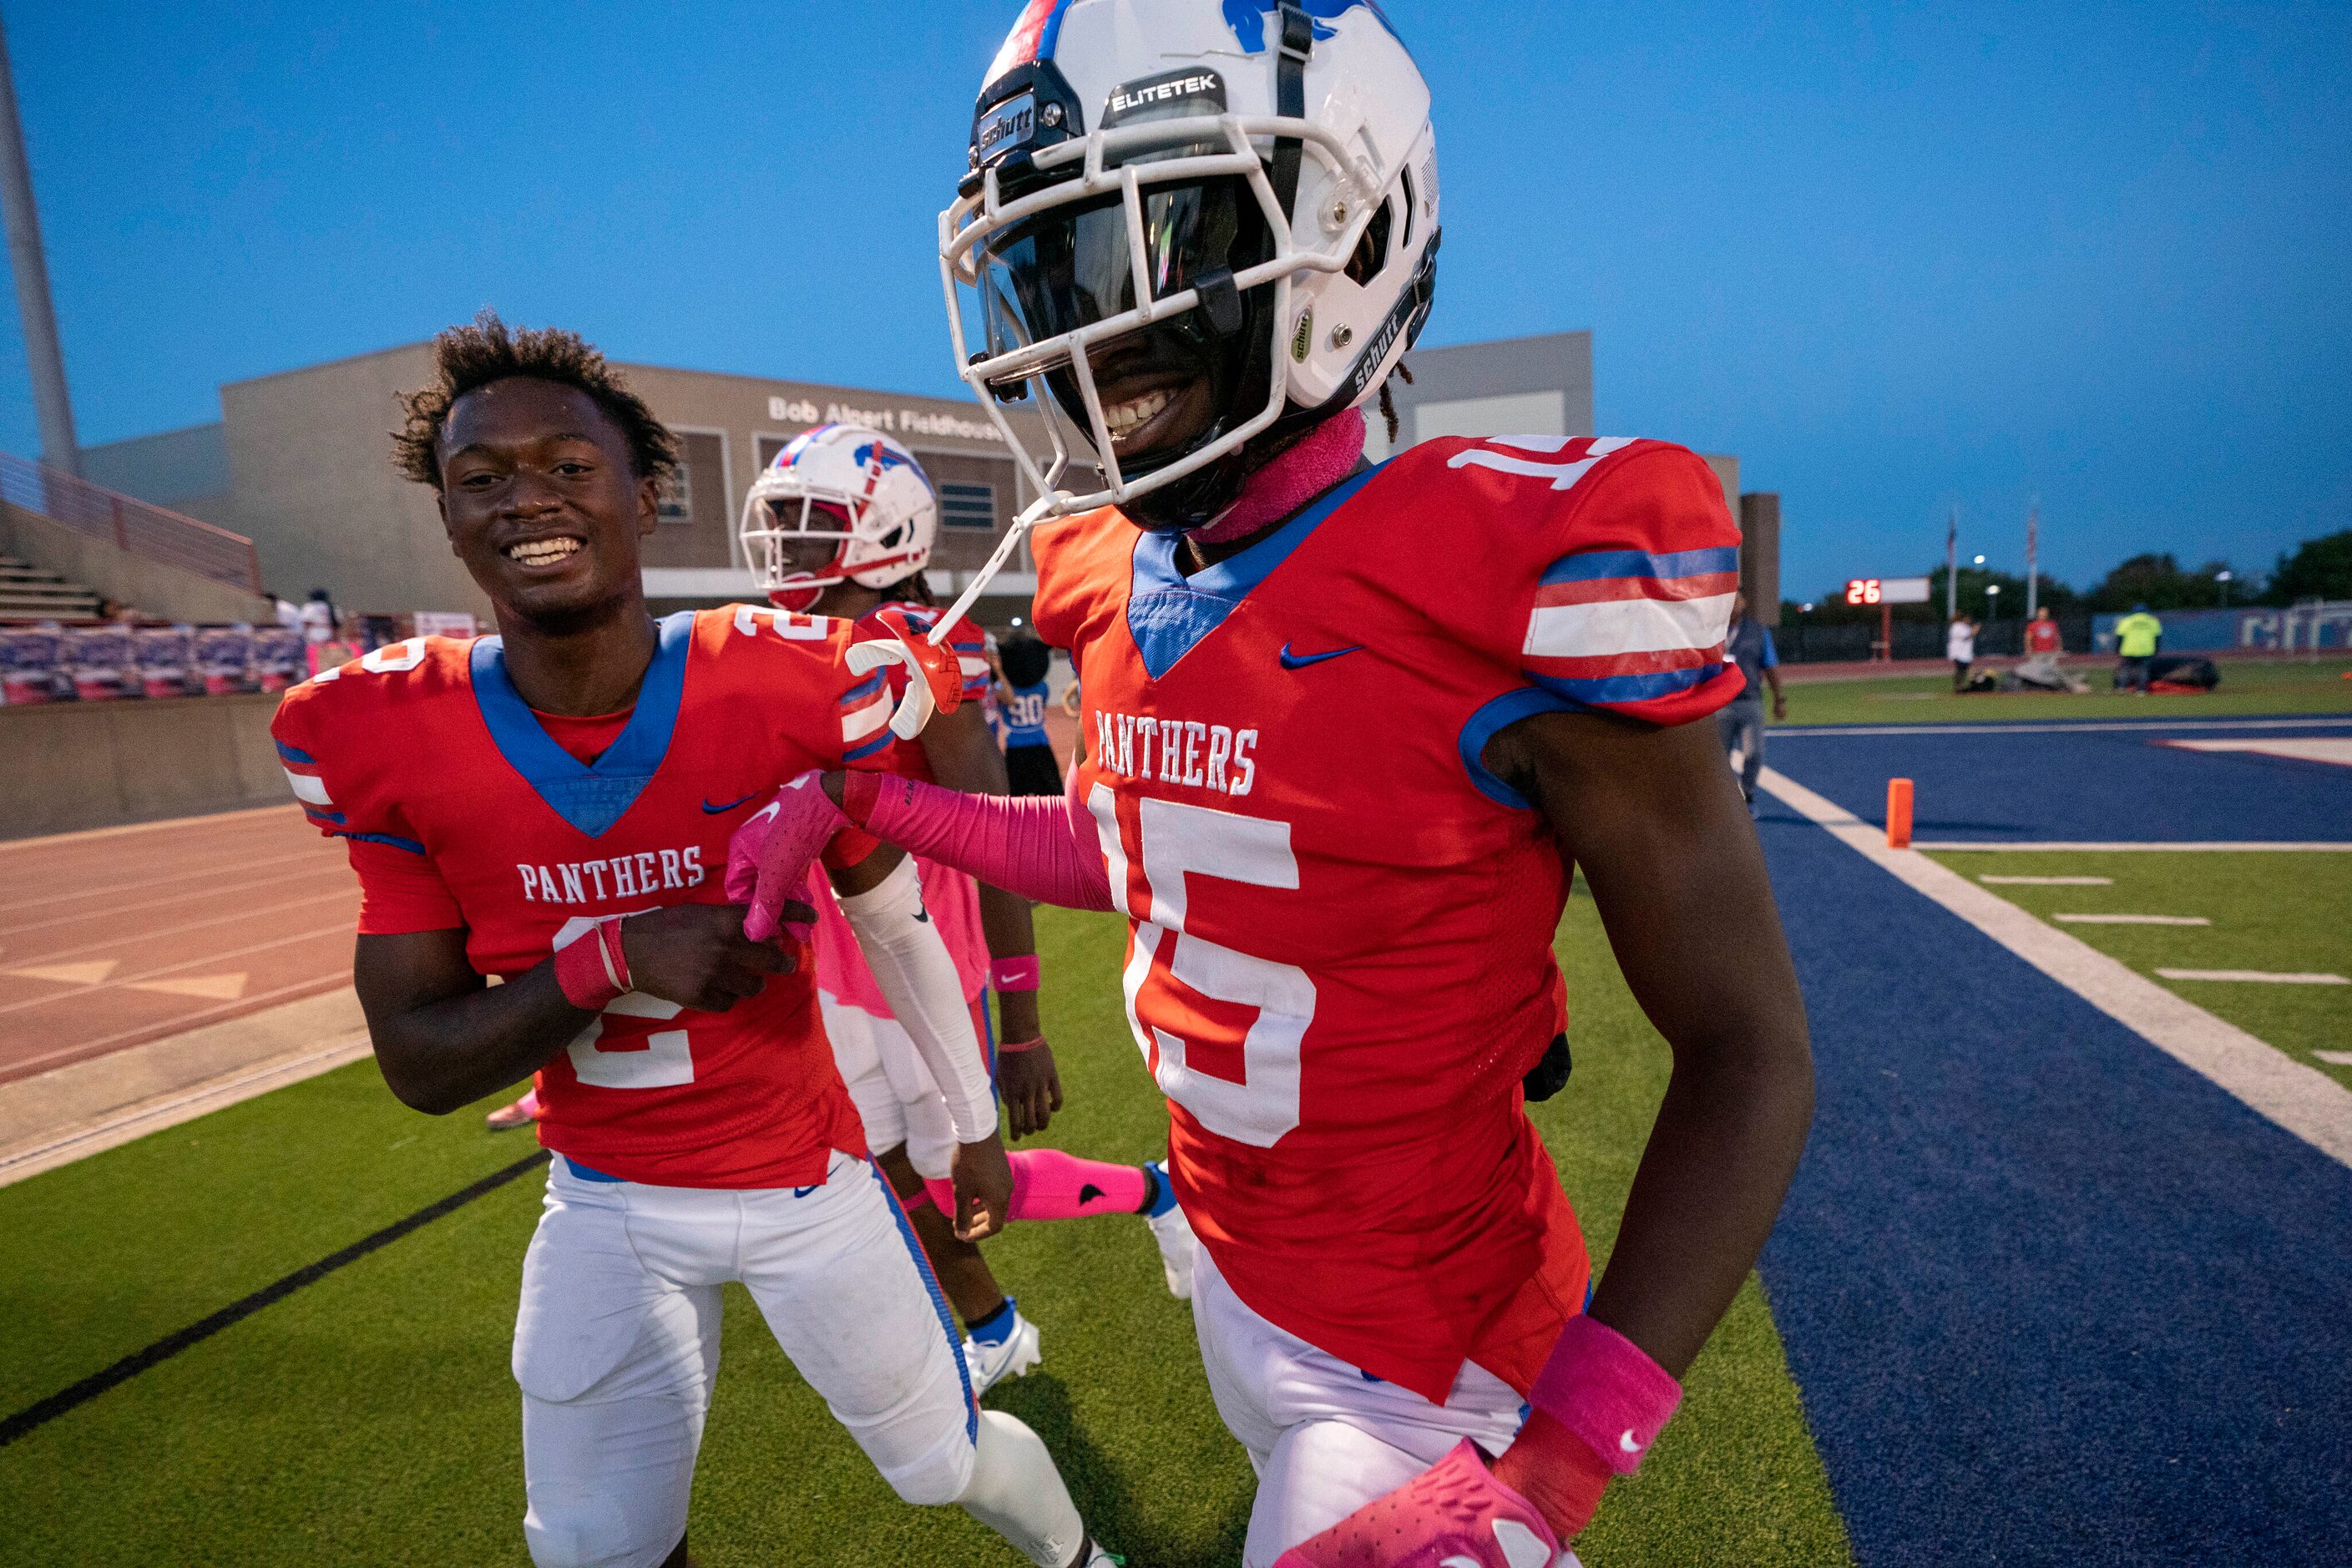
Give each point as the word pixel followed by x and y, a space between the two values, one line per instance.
pixel 114 938
pixel 2050 1296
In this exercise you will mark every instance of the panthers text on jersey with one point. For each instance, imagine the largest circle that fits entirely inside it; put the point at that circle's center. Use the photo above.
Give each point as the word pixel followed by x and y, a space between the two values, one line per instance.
pixel 950 897
pixel 463 808
pixel 1339 962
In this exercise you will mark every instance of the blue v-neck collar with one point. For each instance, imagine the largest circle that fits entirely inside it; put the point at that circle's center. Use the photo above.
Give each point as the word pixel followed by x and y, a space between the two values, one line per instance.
pixel 591 797
pixel 1167 613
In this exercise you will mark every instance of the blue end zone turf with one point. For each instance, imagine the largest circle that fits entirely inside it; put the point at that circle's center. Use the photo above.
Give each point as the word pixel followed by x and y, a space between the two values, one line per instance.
pixel 2103 783
pixel 2049 1296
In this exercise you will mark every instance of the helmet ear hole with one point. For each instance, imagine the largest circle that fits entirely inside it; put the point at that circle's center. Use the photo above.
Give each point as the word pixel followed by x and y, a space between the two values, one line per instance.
pixel 1372 250
pixel 890 540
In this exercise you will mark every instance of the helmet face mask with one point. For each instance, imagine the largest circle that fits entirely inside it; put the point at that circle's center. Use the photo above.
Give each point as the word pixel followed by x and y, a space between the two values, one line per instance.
pixel 1145 282
pixel 839 504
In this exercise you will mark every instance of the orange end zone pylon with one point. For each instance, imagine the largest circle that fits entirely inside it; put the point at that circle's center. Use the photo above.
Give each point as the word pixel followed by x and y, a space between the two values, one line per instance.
pixel 1898 814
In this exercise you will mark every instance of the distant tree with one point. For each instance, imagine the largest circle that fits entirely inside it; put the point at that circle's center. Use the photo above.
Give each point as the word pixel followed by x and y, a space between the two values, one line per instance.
pixel 2157 581
pixel 2318 569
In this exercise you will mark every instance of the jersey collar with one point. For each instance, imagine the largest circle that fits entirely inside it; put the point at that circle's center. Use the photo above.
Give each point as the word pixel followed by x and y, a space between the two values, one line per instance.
pixel 590 798
pixel 1167 613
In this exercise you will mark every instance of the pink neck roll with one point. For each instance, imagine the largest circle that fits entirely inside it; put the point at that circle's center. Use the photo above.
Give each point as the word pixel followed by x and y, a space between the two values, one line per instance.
pixel 1320 459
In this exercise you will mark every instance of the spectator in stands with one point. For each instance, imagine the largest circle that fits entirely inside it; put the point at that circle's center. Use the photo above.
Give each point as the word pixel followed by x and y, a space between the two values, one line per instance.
pixel 2138 637
pixel 289 613
pixel 1749 644
pixel 1961 646
pixel 347 645
pixel 2041 634
pixel 318 619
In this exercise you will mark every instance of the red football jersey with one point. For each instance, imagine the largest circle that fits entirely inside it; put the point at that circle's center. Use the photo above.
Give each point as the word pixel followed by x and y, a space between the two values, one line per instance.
pixel 1339 961
pixel 424 749
pixel 951 898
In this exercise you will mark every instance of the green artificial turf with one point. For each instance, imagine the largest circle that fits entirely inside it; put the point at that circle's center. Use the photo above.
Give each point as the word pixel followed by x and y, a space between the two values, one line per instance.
pixel 371 1417
pixel 2248 686
pixel 2276 912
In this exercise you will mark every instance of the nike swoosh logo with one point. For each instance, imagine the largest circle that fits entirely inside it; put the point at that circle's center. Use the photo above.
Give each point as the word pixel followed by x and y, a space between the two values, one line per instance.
pixel 1301 660
pixel 715 810
pixel 1088 1194
pixel 804 1191
pixel 1626 1441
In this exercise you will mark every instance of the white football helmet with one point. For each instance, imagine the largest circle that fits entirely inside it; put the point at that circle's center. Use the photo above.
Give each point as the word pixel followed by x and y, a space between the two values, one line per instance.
pixel 1242 192
pixel 848 484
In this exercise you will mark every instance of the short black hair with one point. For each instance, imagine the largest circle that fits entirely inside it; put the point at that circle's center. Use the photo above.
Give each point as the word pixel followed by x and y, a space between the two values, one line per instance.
pixel 467 358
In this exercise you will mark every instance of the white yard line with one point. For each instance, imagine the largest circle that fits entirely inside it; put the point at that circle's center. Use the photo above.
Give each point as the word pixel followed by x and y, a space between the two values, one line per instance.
pixel 2303 1100
pixel 2049 881
pixel 2259 976
pixel 2071 847
pixel 2133 919
pixel 2337 1058
pixel 2337 722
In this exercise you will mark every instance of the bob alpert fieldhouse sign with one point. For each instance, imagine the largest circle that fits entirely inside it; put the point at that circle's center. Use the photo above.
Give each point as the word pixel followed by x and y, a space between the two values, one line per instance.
pixel 900 421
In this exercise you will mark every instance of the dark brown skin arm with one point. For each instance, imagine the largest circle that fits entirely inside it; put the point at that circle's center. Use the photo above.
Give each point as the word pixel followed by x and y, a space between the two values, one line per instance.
pixel 444 1037
pixel 963 755
pixel 1657 824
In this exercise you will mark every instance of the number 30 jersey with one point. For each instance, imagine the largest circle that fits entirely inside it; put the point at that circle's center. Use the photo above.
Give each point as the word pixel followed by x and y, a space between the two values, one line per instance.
pixel 462 811
pixel 1340 962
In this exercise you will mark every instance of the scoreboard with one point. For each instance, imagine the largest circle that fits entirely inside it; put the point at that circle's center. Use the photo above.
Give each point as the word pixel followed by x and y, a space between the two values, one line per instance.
pixel 1886 591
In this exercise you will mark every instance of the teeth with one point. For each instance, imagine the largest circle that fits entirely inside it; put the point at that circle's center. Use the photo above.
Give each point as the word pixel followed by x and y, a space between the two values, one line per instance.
pixel 1125 416
pixel 542 552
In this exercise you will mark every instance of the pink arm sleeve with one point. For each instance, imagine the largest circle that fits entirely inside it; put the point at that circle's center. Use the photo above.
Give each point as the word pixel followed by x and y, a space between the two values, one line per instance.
pixel 1031 845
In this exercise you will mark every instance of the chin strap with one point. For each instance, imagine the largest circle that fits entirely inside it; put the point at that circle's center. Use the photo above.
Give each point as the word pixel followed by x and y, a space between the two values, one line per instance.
pixel 1296 41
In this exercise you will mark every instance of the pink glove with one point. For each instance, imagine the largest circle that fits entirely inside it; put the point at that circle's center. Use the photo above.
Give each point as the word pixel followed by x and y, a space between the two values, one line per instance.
pixel 1454 1513
pixel 768 859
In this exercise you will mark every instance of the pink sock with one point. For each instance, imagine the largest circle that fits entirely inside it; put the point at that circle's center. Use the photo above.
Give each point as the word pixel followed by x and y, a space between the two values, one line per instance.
pixel 528 1104
pixel 1050 1185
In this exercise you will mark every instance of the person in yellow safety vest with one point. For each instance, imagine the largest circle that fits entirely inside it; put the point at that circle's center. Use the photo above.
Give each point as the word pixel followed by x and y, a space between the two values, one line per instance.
pixel 2137 637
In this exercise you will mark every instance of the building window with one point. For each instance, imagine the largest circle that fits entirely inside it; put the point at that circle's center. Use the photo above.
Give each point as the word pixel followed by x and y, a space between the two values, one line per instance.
pixel 968 506
pixel 674 500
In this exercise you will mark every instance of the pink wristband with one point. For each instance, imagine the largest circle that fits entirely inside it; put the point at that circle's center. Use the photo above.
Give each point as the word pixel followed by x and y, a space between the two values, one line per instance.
pixel 1013 974
pixel 1012 1048
pixel 591 968
pixel 1599 1385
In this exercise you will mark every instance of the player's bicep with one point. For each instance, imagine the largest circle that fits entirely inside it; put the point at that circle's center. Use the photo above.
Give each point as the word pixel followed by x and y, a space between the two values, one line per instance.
pixel 1657 825
pixel 396 975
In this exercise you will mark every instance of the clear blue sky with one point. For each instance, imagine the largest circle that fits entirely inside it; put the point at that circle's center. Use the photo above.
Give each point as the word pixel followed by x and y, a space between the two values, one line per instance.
pixel 1896 258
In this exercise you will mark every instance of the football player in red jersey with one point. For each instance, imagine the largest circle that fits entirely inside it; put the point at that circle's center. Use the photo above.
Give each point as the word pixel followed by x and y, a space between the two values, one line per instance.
pixel 1348 729
pixel 547 807
pixel 842 524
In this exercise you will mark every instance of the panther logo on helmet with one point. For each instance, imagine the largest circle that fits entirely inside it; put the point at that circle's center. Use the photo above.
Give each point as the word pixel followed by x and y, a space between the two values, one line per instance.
pixel 840 504
pixel 1284 199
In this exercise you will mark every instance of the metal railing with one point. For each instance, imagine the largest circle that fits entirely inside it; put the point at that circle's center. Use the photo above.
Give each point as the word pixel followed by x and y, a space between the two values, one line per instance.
pixel 131 525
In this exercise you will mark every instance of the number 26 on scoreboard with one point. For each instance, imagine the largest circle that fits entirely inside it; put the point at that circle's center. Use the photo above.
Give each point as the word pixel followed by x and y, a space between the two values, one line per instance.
pixel 1864 591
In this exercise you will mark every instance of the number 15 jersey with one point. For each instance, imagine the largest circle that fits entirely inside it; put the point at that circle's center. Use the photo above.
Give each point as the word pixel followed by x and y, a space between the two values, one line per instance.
pixel 1339 961
pixel 462 810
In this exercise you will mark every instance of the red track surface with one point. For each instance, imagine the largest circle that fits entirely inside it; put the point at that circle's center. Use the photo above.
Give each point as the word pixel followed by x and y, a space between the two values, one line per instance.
pixel 164 927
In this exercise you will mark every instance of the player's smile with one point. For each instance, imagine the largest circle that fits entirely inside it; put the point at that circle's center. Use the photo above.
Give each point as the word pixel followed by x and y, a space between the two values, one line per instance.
pixel 1150 408
pixel 540 499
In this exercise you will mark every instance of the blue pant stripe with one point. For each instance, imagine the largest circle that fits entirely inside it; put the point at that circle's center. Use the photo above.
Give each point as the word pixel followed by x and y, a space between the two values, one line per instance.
pixel 939 1300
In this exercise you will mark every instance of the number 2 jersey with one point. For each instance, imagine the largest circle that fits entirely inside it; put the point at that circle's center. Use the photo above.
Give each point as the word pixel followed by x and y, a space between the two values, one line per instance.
pixel 1340 962
pixel 461 810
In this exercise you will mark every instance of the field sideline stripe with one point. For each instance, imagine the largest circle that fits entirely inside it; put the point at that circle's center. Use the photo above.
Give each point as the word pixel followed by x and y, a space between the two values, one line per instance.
pixel 2303 1100
pixel 34 1417
pixel 2089 727
pixel 2085 847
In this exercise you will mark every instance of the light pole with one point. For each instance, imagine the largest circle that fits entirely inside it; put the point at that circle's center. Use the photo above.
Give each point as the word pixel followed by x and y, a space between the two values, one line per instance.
pixel 2222 579
pixel 51 406
pixel 1992 601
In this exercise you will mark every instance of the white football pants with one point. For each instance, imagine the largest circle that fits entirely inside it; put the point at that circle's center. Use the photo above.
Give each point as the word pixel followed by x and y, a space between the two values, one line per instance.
pixel 1324 1439
pixel 616 1344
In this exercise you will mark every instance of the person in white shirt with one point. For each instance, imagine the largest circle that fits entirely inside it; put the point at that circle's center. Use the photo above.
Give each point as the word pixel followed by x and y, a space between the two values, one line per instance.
pixel 1960 646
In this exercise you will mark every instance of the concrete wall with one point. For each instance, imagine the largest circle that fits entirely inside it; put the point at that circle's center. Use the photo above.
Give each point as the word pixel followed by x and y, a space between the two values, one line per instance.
pixel 71 765
pixel 150 585
pixel 171 467
pixel 1760 555
pixel 1511 386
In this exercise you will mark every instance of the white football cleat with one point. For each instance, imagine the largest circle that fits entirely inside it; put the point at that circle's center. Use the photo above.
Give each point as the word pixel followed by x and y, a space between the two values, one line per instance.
pixel 991 1362
pixel 1173 1232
